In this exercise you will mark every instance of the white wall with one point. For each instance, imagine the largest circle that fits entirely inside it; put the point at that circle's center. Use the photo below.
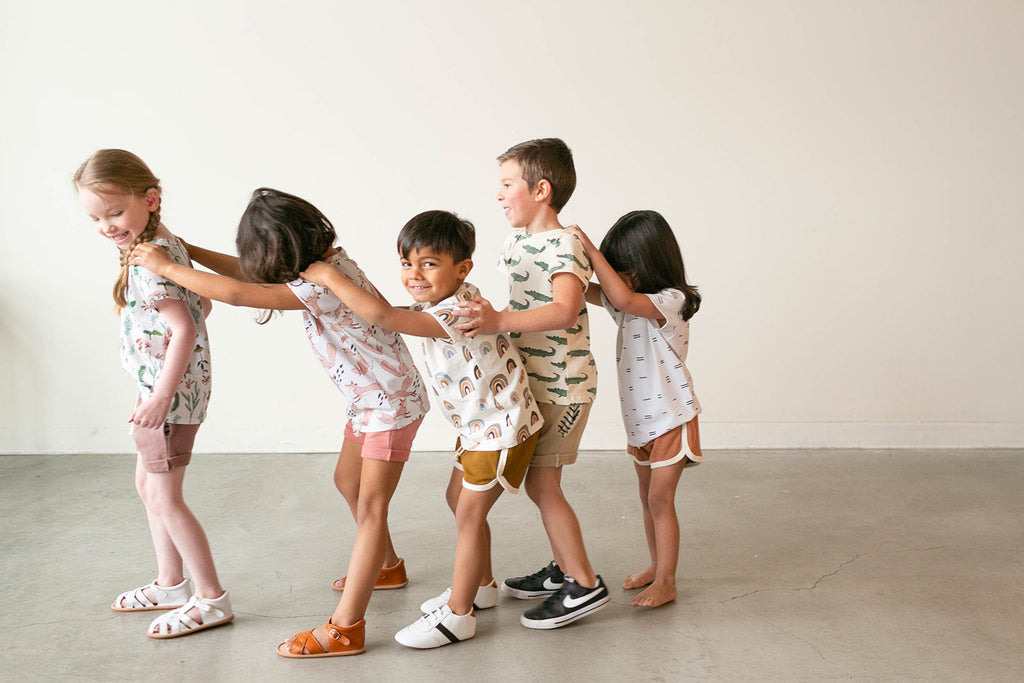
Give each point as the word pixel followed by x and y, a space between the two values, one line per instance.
pixel 844 178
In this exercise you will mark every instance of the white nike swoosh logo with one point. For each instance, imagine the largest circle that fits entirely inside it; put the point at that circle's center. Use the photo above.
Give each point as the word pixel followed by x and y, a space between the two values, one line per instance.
pixel 571 602
pixel 551 585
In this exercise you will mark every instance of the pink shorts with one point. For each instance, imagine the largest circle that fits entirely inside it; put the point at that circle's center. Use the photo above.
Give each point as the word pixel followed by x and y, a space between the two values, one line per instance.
pixel 166 447
pixel 390 446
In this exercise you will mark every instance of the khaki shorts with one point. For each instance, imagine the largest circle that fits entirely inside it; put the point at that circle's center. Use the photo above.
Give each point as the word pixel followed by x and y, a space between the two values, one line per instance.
pixel 166 447
pixel 559 440
pixel 670 448
pixel 482 470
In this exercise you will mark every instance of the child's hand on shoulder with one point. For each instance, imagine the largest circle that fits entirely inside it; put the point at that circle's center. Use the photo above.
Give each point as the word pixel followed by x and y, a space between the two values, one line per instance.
pixel 481 317
pixel 318 272
pixel 577 232
pixel 151 257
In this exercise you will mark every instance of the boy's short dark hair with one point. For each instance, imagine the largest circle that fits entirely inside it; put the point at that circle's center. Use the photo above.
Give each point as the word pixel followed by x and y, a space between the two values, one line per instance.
pixel 442 231
pixel 545 159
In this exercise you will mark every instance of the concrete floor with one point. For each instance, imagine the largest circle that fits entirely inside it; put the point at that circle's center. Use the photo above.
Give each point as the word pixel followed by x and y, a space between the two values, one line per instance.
pixel 803 565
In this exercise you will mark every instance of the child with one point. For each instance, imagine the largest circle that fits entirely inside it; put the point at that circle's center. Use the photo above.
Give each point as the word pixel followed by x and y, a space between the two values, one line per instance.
pixel 279 236
pixel 547 318
pixel 164 347
pixel 480 382
pixel 643 285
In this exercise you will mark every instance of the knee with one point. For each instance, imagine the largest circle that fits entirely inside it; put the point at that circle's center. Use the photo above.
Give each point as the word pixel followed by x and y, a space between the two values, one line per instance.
pixel 661 501
pixel 348 489
pixel 451 495
pixel 371 510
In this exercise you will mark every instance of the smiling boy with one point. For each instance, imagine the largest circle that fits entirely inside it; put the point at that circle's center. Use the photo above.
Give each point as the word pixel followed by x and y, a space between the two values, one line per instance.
pixel 482 386
pixel 548 273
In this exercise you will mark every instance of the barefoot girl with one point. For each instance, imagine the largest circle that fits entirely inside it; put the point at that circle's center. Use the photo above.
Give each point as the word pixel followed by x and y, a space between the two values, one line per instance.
pixel 643 285
pixel 279 236
pixel 164 347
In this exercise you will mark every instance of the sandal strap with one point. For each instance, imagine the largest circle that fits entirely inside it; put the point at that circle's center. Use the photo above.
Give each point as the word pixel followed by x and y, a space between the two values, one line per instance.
pixel 135 599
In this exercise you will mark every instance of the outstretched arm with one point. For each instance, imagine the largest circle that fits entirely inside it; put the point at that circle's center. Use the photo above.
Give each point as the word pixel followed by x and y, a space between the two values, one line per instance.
pixel 561 313
pixel 218 287
pixel 224 264
pixel 614 287
pixel 371 308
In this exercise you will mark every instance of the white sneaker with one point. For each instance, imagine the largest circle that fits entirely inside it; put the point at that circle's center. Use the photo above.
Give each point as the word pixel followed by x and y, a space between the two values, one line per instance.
pixel 486 598
pixel 440 627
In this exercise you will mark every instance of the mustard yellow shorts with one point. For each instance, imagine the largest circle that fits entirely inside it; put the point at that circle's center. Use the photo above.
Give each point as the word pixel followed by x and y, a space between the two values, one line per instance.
pixel 482 470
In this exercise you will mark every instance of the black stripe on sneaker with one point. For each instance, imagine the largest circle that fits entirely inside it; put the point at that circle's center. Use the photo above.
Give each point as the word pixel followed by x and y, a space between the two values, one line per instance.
pixel 447 634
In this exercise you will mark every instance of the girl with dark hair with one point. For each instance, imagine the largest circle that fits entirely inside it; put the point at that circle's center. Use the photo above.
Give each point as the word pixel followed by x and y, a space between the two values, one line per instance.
pixel 279 236
pixel 643 286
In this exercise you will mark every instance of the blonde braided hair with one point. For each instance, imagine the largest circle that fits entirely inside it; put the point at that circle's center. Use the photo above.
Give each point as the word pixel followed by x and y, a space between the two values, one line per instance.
pixel 115 170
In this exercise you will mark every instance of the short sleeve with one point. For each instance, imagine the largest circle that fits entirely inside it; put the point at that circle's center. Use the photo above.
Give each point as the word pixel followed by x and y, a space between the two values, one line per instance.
pixel 567 257
pixel 670 302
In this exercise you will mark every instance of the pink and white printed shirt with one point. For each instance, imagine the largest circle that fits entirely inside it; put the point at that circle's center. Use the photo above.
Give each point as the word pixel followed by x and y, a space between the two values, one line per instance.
pixel 370 365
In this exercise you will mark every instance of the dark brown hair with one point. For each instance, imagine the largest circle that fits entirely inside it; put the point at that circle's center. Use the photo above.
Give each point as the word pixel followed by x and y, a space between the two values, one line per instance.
pixel 642 244
pixel 280 235
pixel 442 231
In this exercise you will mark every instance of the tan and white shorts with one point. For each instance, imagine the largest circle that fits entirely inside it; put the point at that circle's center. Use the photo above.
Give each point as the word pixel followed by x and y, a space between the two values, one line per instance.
pixel 670 448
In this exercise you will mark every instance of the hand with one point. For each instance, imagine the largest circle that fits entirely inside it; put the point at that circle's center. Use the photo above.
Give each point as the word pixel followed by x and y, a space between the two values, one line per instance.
pixel 318 272
pixel 577 231
pixel 482 318
pixel 151 257
pixel 152 412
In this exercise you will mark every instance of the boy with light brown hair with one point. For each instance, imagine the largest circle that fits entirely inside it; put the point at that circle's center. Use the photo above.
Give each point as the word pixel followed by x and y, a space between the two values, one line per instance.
pixel 546 318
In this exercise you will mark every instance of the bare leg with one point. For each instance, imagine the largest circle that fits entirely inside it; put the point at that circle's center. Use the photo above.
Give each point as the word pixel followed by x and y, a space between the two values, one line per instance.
pixel 544 486
pixel 661 500
pixel 378 481
pixel 472 547
pixel 347 475
pixel 452 495
pixel 644 577
pixel 169 567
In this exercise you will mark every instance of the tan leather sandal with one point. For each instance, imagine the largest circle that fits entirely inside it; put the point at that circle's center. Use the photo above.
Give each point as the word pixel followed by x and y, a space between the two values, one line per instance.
pixel 341 641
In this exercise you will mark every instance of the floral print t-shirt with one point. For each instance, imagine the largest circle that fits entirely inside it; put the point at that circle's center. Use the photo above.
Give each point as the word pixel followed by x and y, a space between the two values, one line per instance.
pixel 370 365
pixel 145 337
pixel 559 363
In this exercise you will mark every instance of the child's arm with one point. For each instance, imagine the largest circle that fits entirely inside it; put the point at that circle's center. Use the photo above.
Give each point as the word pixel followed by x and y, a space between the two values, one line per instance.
pixel 181 332
pixel 371 308
pixel 224 264
pixel 560 314
pixel 619 294
pixel 217 287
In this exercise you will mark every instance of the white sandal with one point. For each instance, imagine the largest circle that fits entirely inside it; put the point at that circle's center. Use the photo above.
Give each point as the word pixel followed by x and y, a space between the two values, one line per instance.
pixel 166 597
pixel 177 622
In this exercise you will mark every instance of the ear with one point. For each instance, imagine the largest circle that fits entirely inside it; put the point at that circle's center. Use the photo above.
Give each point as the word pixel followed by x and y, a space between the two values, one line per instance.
pixel 152 199
pixel 542 191
pixel 463 268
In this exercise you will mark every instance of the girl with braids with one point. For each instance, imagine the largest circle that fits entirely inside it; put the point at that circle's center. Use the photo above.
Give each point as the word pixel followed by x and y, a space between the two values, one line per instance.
pixel 164 347
pixel 279 236
pixel 643 286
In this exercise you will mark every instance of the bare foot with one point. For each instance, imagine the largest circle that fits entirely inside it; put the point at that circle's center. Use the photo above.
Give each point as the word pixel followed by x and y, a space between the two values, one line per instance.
pixel 655 595
pixel 638 580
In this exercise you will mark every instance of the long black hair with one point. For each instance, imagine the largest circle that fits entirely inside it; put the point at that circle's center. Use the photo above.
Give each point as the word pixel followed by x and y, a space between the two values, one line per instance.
pixel 642 245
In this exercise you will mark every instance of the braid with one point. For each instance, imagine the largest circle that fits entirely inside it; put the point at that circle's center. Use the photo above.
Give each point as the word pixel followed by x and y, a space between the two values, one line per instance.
pixel 121 285
pixel 119 171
